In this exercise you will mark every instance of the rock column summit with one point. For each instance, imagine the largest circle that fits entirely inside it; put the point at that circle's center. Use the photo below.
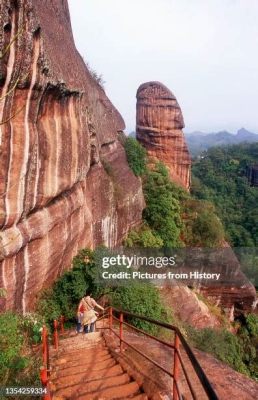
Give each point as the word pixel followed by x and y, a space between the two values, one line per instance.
pixel 159 124
pixel 64 180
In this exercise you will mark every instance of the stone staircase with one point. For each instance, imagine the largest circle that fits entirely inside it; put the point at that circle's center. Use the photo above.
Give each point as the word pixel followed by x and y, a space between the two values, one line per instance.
pixel 84 369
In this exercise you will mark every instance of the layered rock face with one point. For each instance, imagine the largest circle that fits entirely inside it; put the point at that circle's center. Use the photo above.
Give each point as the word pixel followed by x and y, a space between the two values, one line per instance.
pixel 233 291
pixel 159 124
pixel 188 307
pixel 64 179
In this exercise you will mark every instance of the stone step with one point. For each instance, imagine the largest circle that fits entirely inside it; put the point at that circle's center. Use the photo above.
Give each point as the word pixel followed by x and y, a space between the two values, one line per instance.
pixel 81 352
pixel 83 369
pixel 82 389
pixel 73 350
pixel 91 367
pixel 84 376
pixel 79 341
pixel 83 361
pixel 74 336
pixel 112 393
pixel 76 347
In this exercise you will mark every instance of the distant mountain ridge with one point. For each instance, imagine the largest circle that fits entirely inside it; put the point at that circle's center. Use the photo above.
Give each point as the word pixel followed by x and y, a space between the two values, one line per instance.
pixel 199 141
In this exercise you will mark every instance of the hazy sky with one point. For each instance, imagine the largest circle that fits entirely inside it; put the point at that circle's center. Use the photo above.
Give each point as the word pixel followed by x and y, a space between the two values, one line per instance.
pixel 205 51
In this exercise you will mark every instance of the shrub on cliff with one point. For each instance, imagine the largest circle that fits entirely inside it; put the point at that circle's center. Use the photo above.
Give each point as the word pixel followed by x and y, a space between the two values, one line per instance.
pixel 11 342
pixel 248 335
pixel 143 237
pixel 96 76
pixel 18 365
pixel 252 325
pixel 222 344
pixel 48 305
pixel 63 297
pixel 173 218
pixel 162 212
pixel 143 299
pixel 136 156
pixel 207 230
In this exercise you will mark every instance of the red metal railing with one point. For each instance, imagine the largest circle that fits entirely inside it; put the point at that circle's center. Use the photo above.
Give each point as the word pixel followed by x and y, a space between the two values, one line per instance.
pixel 45 369
pixel 179 340
pixel 178 362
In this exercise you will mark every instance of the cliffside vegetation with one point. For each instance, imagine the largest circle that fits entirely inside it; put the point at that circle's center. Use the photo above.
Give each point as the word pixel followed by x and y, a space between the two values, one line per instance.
pixel 219 177
pixel 239 351
pixel 63 298
pixel 19 365
pixel 95 75
pixel 172 218
pixel 131 297
pixel 136 156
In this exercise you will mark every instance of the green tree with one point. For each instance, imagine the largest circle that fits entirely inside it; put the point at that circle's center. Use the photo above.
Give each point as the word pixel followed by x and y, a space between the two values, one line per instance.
pixel 66 292
pixel 207 230
pixel 18 364
pixel 162 212
pixel 143 238
pixel 136 156
pixel 142 299
pixel 219 177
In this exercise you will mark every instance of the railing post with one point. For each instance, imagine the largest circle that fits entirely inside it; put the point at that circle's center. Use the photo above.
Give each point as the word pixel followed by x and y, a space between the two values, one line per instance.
pixel 55 334
pixel 44 381
pixel 62 324
pixel 44 345
pixel 44 370
pixel 48 359
pixel 121 320
pixel 110 318
pixel 176 368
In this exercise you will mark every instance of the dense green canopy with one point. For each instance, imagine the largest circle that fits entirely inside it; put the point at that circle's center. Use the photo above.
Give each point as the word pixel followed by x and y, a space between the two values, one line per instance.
pixel 219 177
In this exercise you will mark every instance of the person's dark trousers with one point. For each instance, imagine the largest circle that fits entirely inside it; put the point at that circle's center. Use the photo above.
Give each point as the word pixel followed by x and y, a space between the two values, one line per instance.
pixel 78 326
pixel 86 328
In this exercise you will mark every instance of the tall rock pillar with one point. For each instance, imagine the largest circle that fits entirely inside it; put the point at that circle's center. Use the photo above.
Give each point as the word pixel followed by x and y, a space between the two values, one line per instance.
pixel 159 124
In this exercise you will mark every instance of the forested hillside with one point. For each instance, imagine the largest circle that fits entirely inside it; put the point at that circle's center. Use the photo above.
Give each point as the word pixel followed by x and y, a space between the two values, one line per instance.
pixel 219 177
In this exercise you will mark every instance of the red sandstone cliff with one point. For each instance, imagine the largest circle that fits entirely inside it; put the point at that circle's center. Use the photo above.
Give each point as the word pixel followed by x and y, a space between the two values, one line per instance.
pixel 159 124
pixel 64 180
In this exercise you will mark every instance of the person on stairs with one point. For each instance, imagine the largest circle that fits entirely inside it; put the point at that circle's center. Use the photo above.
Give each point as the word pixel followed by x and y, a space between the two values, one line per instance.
pixel 79 317
pixel 86 308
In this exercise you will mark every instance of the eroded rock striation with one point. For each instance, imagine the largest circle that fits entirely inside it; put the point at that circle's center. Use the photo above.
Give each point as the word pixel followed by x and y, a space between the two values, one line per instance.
pixel 159 124
pixel 64 179
pixel 188 307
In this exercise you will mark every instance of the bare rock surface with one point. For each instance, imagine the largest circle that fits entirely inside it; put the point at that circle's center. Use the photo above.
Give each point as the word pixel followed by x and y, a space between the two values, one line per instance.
pixel 188 307
pixel 64 180
pixel 159 124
